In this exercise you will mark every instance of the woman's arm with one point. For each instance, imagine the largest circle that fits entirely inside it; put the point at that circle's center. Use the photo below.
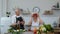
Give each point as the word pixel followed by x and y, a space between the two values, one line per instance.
pixel 30 22
pixel 40 20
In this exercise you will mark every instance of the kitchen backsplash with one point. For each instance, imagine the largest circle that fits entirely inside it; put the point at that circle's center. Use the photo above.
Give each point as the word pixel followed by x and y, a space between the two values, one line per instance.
pixel 47 20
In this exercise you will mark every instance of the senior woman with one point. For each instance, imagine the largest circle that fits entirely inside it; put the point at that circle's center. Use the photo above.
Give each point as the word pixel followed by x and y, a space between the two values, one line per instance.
pixel 35 21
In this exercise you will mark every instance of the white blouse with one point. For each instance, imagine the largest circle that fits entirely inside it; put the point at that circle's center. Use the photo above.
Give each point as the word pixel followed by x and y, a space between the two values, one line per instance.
pixel 35 24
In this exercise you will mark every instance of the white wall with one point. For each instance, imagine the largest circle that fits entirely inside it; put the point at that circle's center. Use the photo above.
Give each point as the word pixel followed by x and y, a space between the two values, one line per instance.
pixel 0 12
pixel 24 4
pixel 42 4
pixel 0 7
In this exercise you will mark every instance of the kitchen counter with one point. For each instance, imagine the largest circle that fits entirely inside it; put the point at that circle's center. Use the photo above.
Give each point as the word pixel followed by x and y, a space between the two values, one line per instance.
pixel 22 33
pixel 57 30
pixel 31 33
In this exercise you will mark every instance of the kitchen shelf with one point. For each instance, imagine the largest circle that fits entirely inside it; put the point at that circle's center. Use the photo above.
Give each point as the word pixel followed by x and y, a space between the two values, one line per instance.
pixel 55 8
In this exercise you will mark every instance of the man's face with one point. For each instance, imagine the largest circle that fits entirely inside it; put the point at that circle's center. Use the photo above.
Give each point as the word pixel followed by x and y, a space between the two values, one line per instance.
pixel 17 12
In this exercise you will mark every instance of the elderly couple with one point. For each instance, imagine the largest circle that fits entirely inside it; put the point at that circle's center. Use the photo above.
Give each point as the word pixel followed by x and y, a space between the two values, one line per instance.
pixel 18 19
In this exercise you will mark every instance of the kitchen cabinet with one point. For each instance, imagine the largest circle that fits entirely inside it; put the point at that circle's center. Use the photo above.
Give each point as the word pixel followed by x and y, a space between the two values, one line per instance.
pixel 5 23
pixel 57 30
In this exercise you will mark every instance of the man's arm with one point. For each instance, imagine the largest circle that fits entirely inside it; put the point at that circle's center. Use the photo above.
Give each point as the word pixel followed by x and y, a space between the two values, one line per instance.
pixel 13 20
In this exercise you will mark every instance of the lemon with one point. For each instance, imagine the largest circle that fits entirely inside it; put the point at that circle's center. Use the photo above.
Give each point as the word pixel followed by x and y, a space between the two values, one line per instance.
pixel 24 30
pixel 17 30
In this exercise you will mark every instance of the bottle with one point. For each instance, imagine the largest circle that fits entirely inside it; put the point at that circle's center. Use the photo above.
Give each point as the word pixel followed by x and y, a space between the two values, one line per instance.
pixel 55 24
pixel 35 30
pixel 57 4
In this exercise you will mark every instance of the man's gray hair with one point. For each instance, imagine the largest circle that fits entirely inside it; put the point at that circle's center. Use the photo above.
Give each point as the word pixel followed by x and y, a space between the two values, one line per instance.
pixel 18 9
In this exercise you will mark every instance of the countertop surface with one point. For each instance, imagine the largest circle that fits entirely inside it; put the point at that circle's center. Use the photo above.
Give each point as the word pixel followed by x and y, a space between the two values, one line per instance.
pixel 22 33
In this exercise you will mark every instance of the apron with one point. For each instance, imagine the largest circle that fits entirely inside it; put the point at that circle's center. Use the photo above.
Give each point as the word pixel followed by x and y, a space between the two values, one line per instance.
pixel 19 26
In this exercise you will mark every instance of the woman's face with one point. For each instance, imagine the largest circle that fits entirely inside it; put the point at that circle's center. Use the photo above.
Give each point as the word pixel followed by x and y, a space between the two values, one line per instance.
pixel 35 16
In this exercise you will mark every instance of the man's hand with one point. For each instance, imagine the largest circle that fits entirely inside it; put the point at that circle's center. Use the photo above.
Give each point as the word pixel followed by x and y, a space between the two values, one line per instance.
pixel 23 22
pixel 13 24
